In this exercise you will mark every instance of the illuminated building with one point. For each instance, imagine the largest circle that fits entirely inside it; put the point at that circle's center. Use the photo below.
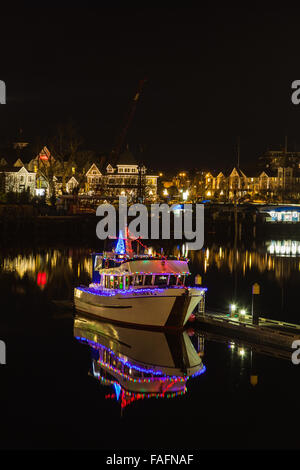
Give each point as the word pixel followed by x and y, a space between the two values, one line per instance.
pixel 17 179
pixel 125 178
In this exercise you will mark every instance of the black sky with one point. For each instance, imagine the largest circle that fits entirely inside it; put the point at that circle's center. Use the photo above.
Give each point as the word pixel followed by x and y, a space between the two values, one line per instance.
pixel 213 74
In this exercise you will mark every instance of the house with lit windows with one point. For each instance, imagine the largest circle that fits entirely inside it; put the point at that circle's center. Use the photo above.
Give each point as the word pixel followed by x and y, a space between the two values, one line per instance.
pixel 93 180
pixel 17 179
pixel 125 178
pixel 71 184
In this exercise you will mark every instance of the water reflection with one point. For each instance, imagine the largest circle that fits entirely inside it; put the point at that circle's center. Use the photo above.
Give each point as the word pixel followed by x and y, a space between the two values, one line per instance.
pixel 243 349
pixel 57 271
pixel 45 261
pixel 289 248
pixel 261 258
pixel 139 364
pixel 52 270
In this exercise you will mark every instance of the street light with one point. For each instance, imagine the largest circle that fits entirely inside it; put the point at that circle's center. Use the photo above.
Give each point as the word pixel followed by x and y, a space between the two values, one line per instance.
pixel 232 309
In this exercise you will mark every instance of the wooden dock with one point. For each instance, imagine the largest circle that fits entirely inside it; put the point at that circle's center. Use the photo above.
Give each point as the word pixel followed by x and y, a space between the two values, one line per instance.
pixel 267 332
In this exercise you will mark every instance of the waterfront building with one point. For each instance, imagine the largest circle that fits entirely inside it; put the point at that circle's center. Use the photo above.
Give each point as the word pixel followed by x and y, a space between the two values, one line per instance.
pixel 126 178
pixel 281 214
pixel 270 184
pixel 71 184
pixel 93 180
pixel 17 179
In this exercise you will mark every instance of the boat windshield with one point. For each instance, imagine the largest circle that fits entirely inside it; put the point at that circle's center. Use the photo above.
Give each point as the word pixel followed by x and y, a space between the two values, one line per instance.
pixel 116 281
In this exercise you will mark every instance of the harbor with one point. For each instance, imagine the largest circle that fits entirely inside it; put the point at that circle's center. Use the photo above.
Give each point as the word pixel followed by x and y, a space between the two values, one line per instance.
pixel 150 233
pixel 231 352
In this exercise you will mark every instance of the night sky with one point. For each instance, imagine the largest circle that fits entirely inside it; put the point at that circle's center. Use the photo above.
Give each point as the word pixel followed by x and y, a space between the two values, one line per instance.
pixel 213 75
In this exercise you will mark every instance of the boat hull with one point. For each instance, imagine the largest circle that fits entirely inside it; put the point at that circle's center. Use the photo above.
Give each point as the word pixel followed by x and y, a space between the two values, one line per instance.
pixel 147 308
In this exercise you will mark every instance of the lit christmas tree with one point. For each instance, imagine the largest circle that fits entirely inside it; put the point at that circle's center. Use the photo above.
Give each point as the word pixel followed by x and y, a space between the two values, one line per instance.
pixel 120 248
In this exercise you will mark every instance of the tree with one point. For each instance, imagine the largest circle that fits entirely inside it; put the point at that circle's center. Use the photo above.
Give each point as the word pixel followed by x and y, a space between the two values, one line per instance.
pixel 47 166
pixel 83 160
pixel 64 148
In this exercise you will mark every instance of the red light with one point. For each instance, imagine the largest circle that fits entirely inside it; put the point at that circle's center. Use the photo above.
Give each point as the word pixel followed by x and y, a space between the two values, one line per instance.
pixel 41 279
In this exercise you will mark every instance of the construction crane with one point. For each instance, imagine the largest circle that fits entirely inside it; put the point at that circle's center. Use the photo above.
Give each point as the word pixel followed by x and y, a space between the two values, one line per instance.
pixel 131 111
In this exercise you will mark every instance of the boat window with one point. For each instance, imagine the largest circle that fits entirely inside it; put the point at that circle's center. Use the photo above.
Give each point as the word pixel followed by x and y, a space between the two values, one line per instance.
pixel 148 279
pixel 139 280
pixel 116 282
pixel 173 280
pixel 161 280
pixel 129 281
pixel 181 280
pixel 111 282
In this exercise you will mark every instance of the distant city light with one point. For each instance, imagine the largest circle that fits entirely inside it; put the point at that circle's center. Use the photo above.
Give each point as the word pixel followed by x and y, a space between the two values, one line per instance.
pixel 40 191
pixel 185 195
pixel 284 247
pixel 242 352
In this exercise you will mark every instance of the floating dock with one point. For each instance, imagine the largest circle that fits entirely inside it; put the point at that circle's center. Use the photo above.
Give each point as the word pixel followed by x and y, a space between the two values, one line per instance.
pixel 266 332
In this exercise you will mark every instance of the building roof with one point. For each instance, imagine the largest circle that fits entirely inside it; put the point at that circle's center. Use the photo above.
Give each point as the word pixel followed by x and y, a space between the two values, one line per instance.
pixel 271 173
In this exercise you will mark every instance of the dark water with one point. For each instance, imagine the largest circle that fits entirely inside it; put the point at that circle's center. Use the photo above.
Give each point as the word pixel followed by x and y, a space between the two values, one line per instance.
pixel 51 399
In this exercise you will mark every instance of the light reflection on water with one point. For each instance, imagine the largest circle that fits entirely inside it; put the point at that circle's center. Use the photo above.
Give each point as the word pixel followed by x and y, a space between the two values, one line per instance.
pixel 281 259
pixel 139 364
pixel 237 372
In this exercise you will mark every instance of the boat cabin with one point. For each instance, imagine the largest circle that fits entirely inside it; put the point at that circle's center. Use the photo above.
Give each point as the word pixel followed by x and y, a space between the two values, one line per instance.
pixel 142 273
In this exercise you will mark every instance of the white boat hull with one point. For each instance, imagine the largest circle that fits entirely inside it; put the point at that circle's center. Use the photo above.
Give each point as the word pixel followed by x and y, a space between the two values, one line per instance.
pixel 154 308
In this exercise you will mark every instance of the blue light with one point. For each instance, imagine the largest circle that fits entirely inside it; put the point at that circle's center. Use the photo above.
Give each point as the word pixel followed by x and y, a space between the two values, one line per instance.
pixel 117 390
pixel 100 291
pixel 120 248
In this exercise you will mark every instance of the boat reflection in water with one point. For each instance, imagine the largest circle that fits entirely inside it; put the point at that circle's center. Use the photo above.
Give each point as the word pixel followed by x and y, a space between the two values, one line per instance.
pixel 137 363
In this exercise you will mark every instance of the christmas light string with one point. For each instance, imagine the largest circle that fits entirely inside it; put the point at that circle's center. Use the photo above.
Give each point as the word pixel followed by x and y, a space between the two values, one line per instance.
pixel 162 377
pixel 96 289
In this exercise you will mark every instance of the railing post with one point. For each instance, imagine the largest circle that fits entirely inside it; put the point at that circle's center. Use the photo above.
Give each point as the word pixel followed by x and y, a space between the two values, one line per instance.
pixel 255 293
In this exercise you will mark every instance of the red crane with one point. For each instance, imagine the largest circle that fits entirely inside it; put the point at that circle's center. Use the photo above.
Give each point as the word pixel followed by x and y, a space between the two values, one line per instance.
pixel 132 107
